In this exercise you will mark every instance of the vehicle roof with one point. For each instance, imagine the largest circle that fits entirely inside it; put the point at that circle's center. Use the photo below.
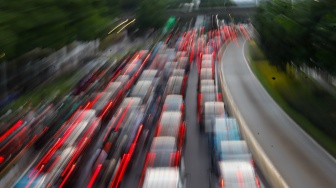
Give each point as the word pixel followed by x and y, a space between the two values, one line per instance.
pixel 208 89
pixel 174 84
pixel 182 59
pixel 206 73
pixel 132 101
pixel 208 97
pixel 206 64
pixel 205 82
pixel 162 158
pixel 148 74
pixel 131 68
pixel 214 107
pixel 235 157
pixel 238 174
pixel 226 124
pixel 170 123
pixel 122 78
pixel 161 177
pixel 86 115
pixel 207 57
pixel 173 103
pixel 174 99
pixel 161 143
pixel 113 87
pixel 141 88
pixel 234 147
pixel 178 72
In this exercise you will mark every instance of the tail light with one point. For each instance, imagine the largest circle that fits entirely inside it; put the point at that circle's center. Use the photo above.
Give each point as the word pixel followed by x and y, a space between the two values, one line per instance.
pixel 182 109
pixel 175 158
pixel 257 182
pixel 94 176
pixel 219 97
pixel 158 129
pixel 221 183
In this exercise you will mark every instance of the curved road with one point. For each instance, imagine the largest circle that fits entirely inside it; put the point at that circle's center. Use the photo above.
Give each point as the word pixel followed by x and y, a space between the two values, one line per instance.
pixel 299 160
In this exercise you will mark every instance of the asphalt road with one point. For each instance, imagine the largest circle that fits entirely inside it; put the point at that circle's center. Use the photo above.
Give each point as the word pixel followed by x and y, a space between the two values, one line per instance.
pixel 299 160
pixel 196 152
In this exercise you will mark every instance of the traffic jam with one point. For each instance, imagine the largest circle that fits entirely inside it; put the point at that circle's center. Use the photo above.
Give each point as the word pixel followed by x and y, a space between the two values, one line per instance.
pixel 96 134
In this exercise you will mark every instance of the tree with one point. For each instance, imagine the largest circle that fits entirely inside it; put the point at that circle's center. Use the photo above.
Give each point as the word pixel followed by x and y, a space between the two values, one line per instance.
pixel 303 32
pixel 26 25
pixel 150 13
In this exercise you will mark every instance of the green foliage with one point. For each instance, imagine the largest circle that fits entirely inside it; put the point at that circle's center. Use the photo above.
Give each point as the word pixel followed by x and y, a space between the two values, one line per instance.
pixel 302 32
pixel 309 105
pixel 149 13
pixel 27 24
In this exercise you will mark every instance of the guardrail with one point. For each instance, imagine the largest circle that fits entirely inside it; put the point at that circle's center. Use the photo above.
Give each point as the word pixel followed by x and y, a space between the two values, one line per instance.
pixel 264 163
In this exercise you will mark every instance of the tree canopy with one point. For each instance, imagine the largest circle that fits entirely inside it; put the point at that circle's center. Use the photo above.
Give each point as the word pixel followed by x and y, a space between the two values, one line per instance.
pixel 150 13
pixel 27 24
pixel 302 32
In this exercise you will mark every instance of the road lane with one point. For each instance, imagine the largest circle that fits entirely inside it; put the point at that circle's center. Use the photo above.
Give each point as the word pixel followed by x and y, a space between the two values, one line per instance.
pixel 196 155
pixel 300 161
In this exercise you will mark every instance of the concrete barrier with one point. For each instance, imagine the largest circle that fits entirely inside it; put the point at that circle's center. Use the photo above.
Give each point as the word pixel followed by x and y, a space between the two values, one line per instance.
pixel 264 163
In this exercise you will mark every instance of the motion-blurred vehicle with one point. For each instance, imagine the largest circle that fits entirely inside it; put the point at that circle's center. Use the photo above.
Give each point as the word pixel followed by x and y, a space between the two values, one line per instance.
pixel 238 174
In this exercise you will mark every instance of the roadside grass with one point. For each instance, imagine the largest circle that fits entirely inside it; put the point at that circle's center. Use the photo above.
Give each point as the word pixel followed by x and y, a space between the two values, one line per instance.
pixel 300 97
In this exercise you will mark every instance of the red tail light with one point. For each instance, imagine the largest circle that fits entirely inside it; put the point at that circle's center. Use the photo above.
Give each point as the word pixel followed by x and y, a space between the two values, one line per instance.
pixel 219 97
pixel 1 159
pixel 182 109
pixel 106 108
pixel 158 128
pixel 177 158
pixel 94 176
pixel 221 183
pixel 120 171
pixel 257 181
pixel 11 130
pixel 66 178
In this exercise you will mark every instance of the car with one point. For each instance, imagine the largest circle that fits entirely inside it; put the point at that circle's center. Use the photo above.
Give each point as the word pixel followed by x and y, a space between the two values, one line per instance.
pixel 234 150
pixel 212 110
pixel 206 74
pixel 178 72
pixel 168 69
pixel 171 124
pixel 143 90
pixel 124 112
pixel 164 177
pixel 207 64
pixel 226 129
pixel 237 174
pixel 205 83
pixel 173 103
pixel 163 153
pixel 175 85
pixel 159 61
pixel 149 75
pixel 123 79
pixel 183 63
